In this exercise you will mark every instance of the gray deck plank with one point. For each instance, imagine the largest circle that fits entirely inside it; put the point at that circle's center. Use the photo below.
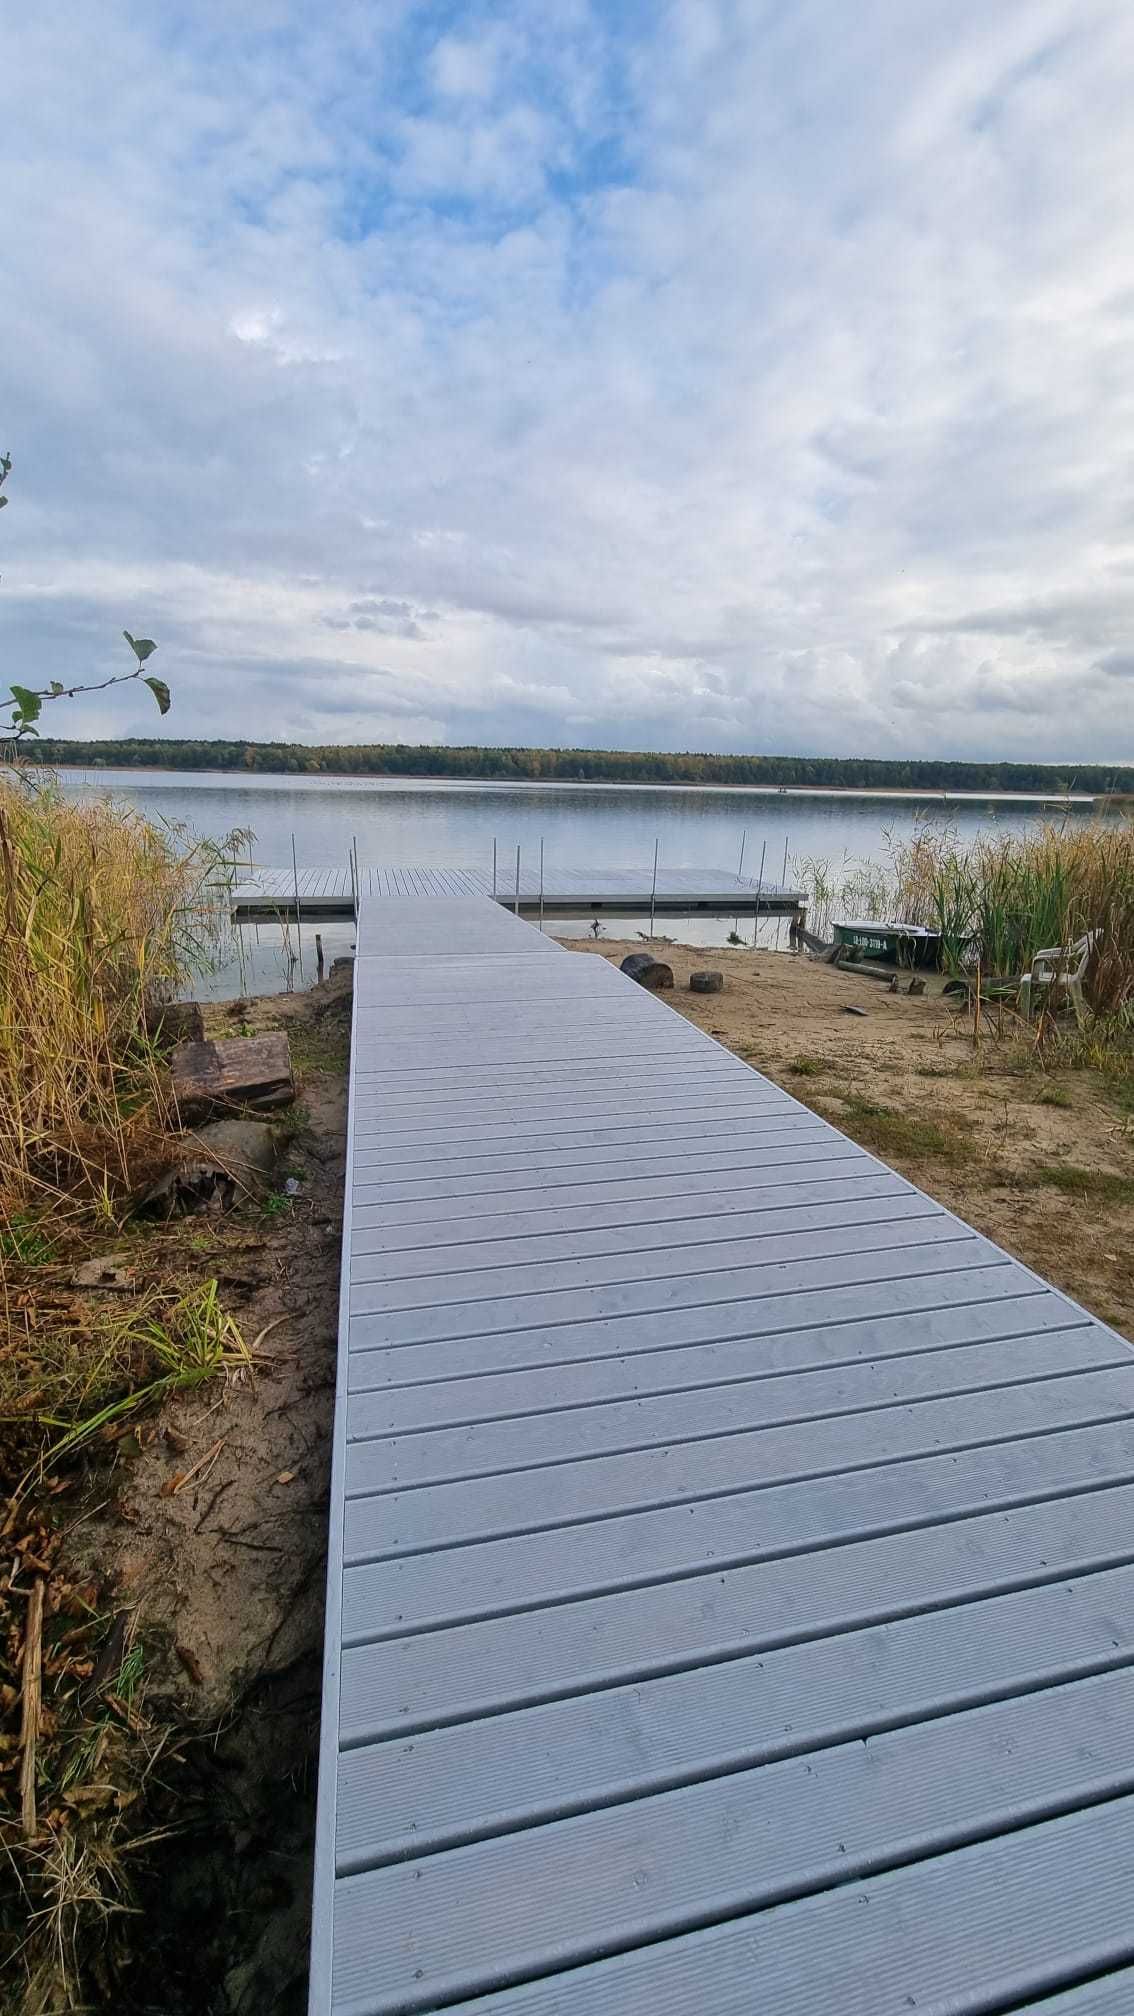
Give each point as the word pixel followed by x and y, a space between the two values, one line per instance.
pixel 899 1222
pixel 829 1326
pixel 695 1615
pixel 426 1387
pixel 722 1532
pixel 956 1935
pixel 476 1779
pixel 876 1200
pixel 1111 1995
pixel 375 1233
pixel 558 1895
pixel 773 1281
pixel 460 1512
pixel 581 1420
pixel 736 1528
pixel 480 1174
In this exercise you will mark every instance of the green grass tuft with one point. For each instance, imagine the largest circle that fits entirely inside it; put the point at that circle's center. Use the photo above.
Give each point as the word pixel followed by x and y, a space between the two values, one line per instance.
pixel 1097 1184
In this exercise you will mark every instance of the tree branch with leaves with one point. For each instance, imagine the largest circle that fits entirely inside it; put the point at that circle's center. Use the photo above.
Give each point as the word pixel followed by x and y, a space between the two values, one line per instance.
pixel 27 701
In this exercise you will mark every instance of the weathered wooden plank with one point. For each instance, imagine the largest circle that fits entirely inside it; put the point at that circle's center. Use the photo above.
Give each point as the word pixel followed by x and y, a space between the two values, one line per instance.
pixel 229 1072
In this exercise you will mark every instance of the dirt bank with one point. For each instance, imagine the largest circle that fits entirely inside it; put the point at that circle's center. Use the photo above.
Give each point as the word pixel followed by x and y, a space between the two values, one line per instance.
pixel 191 1548
pixel 1040 1160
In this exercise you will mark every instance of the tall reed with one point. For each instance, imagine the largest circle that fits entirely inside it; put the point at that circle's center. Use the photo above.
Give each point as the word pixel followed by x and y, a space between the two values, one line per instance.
pixel 102 913
pixel 1000 898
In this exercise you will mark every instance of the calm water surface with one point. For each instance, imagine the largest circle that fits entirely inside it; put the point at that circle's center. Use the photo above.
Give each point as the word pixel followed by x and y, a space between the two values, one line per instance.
pixel 451 824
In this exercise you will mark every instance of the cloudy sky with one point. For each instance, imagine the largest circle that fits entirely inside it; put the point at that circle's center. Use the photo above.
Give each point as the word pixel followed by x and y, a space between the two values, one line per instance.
pixel 726 374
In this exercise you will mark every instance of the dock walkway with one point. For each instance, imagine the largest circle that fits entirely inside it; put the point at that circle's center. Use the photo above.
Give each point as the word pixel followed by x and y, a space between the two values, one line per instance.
pixel 731 1583
pixel 327 893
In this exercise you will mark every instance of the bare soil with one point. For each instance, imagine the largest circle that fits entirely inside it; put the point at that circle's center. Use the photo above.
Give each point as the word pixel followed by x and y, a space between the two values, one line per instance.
pixel 1041 1161
pixel 219 1579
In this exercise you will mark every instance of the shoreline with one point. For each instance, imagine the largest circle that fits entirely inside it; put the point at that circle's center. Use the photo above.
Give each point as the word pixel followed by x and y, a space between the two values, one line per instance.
pixel 895 793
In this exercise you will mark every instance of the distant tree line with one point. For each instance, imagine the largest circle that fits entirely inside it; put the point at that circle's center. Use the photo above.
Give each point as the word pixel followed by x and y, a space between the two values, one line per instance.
pixel 579 766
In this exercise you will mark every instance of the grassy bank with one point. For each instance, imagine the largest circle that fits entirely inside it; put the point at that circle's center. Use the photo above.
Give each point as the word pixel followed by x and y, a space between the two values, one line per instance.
pixel 103 916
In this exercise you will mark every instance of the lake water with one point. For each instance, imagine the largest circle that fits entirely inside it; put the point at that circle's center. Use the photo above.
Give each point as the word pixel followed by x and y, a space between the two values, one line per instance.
pixel 451 824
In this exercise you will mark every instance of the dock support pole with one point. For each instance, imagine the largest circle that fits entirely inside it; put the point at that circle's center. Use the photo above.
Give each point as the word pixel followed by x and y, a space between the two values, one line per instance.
pixel 654 887
pixel 298 927
pixel 318 957
pixel 494 871
pixel 516 904
pixel 541 881
pixel 759 893
pixel 740 864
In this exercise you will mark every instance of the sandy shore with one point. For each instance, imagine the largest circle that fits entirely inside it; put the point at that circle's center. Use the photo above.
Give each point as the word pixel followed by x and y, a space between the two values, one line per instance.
pixel 1042 1162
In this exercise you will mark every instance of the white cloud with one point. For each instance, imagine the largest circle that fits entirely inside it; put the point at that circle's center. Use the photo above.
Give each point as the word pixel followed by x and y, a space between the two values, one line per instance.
pixel 755 379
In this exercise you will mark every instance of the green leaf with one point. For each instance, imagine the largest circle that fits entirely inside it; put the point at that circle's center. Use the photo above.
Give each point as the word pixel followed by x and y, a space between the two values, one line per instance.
pixel 160 691
pixel 29 705
pixel 3 501
pixel 140 646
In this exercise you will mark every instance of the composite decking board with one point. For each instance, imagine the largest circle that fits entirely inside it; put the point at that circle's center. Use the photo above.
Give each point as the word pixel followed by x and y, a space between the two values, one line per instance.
pixel 1109 1995
pixel 560 1116
pixel 724 1190
pixel 738 1529
pixel 982 1928
pixel 881 1203
pixel 479 1175
pixel 478 1779
pixel 773 1282
pixel 375 1233
pixel 473 1539
pixel 447 1387
pixel 830 1327
pixel 480 1292
pixel 499 1440
pixel 623 1144
pixel 667 1418
pixel 459 1672
pixel 560 1893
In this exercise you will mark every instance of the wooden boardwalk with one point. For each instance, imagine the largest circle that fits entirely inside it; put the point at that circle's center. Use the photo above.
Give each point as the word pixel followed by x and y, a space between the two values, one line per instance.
pixel 731 1585
pixel 329 892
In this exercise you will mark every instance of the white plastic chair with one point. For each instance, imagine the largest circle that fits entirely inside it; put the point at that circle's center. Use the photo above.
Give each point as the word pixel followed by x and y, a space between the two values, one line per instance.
pixel 1062 966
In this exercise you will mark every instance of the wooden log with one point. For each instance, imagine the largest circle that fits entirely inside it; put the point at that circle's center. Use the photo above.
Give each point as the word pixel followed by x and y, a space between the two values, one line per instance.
pixel 232 1072
pixel 710 981
pixel 647 971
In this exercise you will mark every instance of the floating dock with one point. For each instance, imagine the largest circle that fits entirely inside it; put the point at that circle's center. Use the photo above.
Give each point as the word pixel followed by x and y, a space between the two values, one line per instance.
pixel 730 1599
pixel 329 893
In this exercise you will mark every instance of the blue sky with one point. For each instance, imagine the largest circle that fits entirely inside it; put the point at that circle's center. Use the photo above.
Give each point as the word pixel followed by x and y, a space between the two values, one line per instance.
pixel 725 374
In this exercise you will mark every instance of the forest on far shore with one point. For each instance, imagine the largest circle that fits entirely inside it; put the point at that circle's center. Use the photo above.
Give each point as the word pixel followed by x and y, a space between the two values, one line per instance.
pixel 580 766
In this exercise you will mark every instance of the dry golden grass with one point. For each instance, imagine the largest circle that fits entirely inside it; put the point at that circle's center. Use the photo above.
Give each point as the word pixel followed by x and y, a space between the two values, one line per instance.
pixel 101 913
